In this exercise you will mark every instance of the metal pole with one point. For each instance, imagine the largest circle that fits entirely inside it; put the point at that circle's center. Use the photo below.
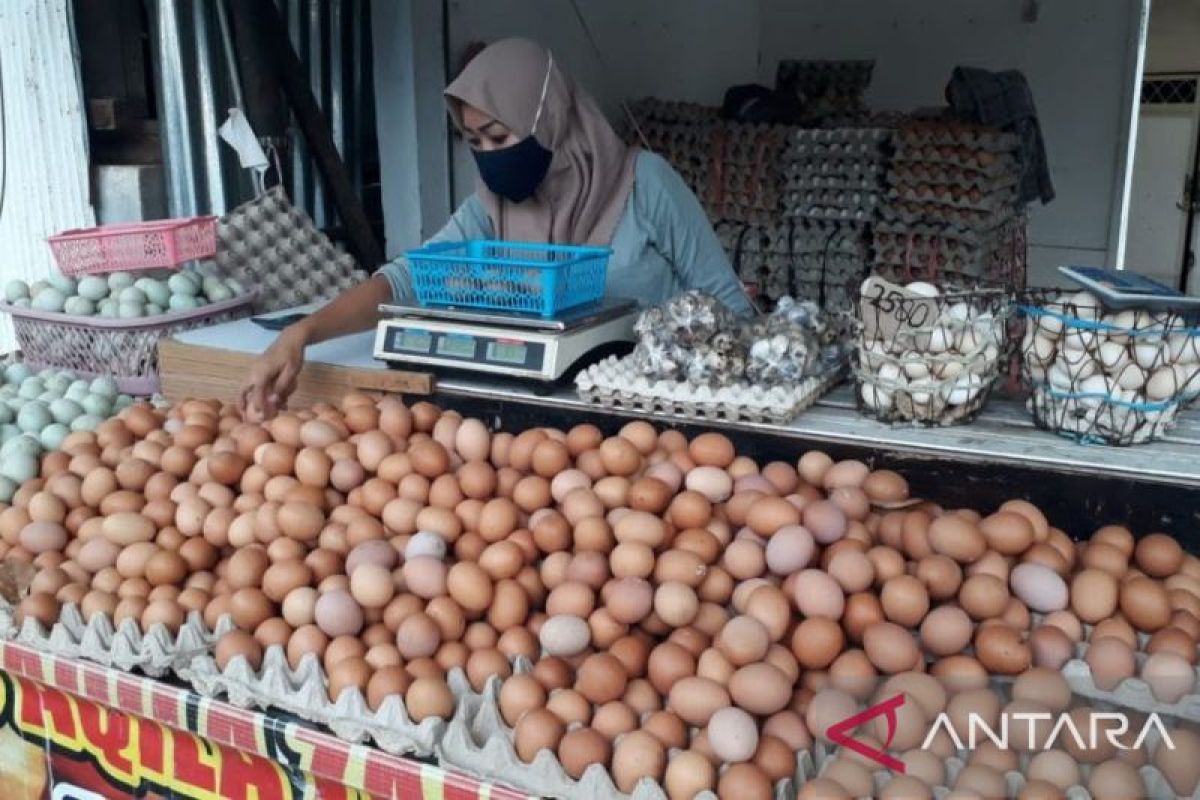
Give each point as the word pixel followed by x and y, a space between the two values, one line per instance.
pixel 209 142
pixel 173 108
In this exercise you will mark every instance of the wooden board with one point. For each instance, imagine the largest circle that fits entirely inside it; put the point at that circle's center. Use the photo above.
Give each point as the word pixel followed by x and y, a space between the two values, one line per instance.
pixel 188 370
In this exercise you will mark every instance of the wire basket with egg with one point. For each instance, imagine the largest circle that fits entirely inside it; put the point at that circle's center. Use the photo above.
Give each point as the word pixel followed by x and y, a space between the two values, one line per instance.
pixel 926 355
pixel 1106 376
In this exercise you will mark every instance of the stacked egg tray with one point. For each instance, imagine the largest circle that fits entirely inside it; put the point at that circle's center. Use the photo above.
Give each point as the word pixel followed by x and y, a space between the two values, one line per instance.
pixel 269 244
pixel 944 252
pixel 124 646
pixel 809 259
pixel 1107 377
pixel 928 357
pixel 732 167
pixel 835 174
pixel 616 384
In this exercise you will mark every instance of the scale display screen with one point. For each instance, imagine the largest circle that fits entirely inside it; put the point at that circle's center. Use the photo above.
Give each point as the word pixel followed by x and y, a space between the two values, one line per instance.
pixel 507 352
pixel 457 345
pixel 412 341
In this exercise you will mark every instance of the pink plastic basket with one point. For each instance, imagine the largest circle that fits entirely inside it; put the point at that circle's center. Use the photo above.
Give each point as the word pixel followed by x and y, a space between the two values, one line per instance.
pixel 139 245
pixel 125 349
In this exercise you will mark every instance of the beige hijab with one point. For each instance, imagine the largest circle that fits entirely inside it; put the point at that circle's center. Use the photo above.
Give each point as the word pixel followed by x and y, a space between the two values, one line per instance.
pixel 591 174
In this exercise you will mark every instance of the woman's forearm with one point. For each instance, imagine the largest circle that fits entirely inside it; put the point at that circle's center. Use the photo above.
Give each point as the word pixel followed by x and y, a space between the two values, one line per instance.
pixel 350 312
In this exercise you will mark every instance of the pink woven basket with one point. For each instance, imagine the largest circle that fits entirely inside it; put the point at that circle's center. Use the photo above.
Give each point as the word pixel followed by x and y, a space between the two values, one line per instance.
pixel 139 245
pixel 125 349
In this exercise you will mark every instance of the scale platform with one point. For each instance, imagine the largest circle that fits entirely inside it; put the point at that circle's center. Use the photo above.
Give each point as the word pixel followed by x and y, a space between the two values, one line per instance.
pixel 503 343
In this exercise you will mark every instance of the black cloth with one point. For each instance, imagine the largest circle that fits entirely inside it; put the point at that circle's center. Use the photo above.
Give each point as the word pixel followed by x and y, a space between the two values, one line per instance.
pixel 1004 100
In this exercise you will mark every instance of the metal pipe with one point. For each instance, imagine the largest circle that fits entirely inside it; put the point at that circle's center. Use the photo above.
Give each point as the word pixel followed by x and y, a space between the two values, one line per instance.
pixel 173 108
pixel 314 54
pixel 235 78
pixel 209 141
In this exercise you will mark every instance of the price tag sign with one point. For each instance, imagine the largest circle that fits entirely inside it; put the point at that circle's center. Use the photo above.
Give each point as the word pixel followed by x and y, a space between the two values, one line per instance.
pixel 887 307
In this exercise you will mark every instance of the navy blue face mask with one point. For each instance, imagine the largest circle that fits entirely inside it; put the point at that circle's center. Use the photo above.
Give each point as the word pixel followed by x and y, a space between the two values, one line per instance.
pixel 516 171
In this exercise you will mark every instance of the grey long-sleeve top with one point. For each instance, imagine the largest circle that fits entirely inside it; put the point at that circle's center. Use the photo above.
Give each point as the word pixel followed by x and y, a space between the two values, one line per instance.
pixel 663 245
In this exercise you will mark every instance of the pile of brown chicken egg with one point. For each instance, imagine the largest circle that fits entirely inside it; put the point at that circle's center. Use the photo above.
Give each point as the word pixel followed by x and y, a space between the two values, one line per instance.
pixel 692 617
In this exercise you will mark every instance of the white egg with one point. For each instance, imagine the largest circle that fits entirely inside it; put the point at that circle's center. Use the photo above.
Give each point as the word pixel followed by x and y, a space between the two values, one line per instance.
pixel 963 390
pixel 1112 355
pixel 1050 322
pixel 1131 377
pixel 92 287
pixel 16 290
pixel 1043 348
pixel 876 398
pixel 1162 384
pixel 915 367
pixel 1083 305
pixel 118 281
pixel 941 339
pixel 1077 363
pixel 948 370
pixel 922 289
pixel 1146 354
pixel 1058 377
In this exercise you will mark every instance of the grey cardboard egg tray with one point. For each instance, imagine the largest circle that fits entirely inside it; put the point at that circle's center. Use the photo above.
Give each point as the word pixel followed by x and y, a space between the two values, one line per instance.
pixel 479 741
pixel 269 244
pixel 874 168
pixel 792 238
pixel 125 646
pixel 614 383
pixel 851 183
pixel 858 152
pixel 653 108
pixel 304 693
pixel 832 213
pixel 798 201
pixel 875 137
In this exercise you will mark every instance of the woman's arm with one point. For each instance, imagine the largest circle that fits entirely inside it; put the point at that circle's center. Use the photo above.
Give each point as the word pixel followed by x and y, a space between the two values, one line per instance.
pixel 685 236
pixel 273 376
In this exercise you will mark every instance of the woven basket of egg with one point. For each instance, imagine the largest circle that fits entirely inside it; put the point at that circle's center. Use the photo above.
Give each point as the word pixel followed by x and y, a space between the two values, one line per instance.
pixel 1106 376
pixel 928 355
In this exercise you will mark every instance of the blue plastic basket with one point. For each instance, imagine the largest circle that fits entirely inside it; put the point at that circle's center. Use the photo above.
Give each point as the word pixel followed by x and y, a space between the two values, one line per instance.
pixel 544 279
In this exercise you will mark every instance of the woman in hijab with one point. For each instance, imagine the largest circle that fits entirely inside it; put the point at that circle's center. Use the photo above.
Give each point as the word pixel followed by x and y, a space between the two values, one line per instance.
pixel 551 169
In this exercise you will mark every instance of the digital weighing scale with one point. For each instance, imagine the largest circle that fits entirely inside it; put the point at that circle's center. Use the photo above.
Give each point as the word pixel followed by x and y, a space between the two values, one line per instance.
pixel 503 343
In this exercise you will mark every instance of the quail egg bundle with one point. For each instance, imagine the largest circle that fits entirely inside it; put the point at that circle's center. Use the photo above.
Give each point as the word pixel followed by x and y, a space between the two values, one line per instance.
pixel 124 295
pixel 928 356
pixel 269 244
pixel 1119 376
pixel 690 337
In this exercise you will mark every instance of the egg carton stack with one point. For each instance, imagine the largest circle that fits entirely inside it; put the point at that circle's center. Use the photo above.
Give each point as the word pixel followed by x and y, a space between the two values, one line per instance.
pixel 951 209
pixel 694 359
pixel 1107 376
pixel 479 740
pixel 836 173
pixel 679 132
pixel 813 260
pixel 275 247
pixel 925 355
pixel 732 167
pixel 122 645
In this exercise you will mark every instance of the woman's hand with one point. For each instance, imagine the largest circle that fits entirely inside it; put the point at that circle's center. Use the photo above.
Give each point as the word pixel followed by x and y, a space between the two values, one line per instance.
pixel 273 376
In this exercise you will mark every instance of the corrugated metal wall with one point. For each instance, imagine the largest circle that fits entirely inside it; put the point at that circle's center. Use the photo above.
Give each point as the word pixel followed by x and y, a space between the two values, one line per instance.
pixel 196 87
pixel 44 163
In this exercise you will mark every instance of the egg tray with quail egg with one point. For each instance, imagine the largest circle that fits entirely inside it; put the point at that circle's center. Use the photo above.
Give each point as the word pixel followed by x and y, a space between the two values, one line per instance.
pixel 925 356
pixel 1117 377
